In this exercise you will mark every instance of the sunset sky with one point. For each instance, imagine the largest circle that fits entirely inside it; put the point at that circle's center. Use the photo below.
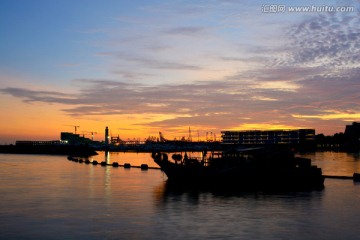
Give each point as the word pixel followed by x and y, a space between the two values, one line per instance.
pixel 140 67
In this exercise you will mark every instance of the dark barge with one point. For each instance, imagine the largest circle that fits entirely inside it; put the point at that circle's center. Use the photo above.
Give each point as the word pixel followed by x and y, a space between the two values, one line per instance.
pixel 242 169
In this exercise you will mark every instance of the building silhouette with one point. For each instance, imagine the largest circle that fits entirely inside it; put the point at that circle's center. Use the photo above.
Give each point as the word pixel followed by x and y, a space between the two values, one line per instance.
pixel 75 139
pixel 269 137
pixel 352 132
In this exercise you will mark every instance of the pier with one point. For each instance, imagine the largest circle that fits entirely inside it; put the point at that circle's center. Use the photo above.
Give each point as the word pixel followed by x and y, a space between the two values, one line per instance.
pixel 355 177
pixel 339 177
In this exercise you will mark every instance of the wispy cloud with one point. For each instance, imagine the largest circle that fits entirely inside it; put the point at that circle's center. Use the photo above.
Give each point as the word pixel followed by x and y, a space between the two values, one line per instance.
pixel 40 96
pixel 192 103
pixel 162 64
pixel 186 31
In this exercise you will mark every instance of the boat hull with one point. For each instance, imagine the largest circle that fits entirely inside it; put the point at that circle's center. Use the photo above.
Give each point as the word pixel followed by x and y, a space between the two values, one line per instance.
pixel 244 175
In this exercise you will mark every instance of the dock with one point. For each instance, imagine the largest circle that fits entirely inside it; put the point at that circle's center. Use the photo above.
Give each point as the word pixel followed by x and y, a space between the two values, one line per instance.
pixel 339 177
pixel 355 177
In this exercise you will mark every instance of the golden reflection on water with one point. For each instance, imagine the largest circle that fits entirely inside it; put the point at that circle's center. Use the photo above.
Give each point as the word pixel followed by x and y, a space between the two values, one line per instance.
pixel 335 163
pixel 49 197
pixel 135 159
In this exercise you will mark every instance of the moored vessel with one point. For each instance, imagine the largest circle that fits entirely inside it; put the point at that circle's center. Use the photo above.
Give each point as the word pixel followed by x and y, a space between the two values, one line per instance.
pixel 257 168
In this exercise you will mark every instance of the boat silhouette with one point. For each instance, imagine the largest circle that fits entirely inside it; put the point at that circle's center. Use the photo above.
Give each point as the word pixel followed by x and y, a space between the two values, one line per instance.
pixel 254 168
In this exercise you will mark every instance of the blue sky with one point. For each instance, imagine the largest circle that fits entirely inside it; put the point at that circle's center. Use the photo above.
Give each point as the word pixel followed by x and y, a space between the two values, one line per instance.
pixel 172 64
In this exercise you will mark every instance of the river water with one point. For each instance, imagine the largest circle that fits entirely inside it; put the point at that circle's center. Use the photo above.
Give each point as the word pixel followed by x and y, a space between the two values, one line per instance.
pixel 49 197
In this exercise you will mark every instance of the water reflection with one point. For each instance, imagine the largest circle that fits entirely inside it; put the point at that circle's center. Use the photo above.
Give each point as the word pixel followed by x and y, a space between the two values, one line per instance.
pixel 48 197
pixel 335 163
pixel 107 183
pixel 168 193
pixel 236 215
pixel 107 157
pixel 135 159
pixel 332 163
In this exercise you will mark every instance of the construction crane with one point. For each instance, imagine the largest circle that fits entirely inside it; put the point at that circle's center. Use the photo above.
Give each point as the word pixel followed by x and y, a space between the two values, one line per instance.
pixel 76 127
pixel 92 134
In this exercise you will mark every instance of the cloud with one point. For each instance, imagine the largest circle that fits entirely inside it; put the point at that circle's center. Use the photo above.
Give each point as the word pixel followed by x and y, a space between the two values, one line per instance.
pixel 161 64
pixel 250 97
pixel 202 103
pixel 309 70
pixel 331 40
pixel 149 62
pixel 201 98
pixel 261 98
pixel 132 75
pixel 40 96
pixel 186 31
pixel 328 115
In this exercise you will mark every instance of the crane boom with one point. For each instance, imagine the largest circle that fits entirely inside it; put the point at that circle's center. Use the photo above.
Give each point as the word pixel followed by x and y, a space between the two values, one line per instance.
pixel 76 127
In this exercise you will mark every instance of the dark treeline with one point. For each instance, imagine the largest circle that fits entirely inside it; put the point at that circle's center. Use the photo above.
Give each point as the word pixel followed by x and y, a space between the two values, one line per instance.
pixel 343 141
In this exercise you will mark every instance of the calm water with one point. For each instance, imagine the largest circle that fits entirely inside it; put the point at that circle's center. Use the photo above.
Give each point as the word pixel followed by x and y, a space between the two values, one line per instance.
pixel 49 197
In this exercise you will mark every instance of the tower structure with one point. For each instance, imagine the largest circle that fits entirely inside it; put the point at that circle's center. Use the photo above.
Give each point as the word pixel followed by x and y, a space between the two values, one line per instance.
pixel 106 135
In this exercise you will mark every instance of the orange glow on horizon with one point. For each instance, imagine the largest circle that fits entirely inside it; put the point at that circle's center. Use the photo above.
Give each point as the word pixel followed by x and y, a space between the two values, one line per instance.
pixel 34 121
